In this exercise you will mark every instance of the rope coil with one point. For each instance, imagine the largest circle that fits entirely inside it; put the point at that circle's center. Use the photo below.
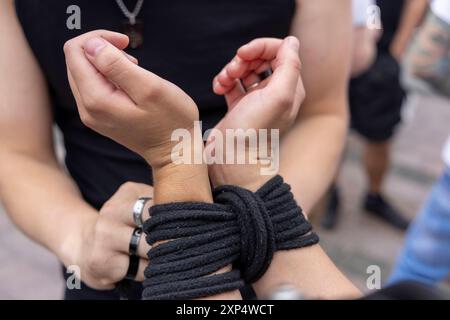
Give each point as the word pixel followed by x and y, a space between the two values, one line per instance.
pixel 241 228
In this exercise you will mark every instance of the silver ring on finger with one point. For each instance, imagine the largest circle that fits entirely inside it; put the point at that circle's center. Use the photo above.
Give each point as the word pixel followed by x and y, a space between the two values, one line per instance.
pixel 252 86
pixel 138 210
pixel 134 242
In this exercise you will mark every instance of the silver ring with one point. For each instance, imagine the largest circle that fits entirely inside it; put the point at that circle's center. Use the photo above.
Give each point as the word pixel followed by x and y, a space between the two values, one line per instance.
pixel 252 86
pixel 134 242
pixel 138 209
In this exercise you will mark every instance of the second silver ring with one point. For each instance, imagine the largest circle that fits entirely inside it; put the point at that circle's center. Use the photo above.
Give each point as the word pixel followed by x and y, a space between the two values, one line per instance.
pixel 138 210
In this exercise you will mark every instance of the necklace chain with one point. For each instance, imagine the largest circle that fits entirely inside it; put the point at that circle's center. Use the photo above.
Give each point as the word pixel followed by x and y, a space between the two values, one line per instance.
pixel 130 15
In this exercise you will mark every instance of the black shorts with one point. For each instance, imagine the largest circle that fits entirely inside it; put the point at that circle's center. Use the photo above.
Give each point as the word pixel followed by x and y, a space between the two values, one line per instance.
pixel 376 98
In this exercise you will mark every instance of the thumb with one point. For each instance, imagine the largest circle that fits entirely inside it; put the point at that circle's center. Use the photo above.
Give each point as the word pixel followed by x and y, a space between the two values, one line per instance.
pixel 286 68
pixel 118 68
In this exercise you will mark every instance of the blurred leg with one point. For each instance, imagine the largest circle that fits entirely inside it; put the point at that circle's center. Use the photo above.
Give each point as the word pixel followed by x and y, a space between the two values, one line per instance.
pixel 376 163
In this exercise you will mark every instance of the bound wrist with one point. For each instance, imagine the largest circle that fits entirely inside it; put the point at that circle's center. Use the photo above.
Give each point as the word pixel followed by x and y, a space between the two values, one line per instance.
pixel 246 160
pixel 181 183
pixel 244 176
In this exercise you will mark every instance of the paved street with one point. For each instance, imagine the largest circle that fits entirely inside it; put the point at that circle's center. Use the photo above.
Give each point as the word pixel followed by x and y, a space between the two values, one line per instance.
pixel 28 271
pixel 361 240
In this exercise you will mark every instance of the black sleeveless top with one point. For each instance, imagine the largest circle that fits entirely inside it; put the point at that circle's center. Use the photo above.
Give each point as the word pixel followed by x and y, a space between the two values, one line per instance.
pixel 185 41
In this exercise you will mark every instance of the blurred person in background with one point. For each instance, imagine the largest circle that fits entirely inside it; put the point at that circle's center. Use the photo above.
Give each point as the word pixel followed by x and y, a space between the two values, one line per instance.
pixel 84 215
pixel 425 256
pixel 376 98
pixel 364 37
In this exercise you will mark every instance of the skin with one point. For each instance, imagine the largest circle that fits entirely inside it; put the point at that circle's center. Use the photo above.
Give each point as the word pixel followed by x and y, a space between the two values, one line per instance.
pixel 79 234
pixel 28 155
pixel 376 159
pixel 316 139
pixel 276 99
pixel 412 16
pixel 309 269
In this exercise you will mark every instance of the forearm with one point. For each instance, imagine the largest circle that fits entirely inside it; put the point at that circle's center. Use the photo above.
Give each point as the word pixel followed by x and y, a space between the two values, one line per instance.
pixel 311 153
pixel 310 271
pixel 43 202
pixel 412 15
pixel 187 183
pixel 311 150
pixel 308 268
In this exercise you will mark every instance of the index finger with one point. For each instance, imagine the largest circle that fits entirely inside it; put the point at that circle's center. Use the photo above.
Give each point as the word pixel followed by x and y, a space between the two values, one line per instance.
pixel 83 73
pixel 261 48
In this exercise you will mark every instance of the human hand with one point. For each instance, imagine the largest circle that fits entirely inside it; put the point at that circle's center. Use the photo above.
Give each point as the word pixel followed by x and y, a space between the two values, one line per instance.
pixel 101 250
pixel 123 101
pixel 270 103
pixel 276 99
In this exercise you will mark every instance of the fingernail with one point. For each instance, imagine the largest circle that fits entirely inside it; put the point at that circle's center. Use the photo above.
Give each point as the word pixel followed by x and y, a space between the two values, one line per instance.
pixel 94 45
pixel 293 43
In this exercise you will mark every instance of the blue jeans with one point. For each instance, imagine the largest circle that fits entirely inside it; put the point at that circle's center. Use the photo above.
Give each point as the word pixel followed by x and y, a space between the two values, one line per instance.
pixel 426 254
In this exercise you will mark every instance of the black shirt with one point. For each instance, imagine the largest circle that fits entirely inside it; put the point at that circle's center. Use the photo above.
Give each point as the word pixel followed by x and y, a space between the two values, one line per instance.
pixel 185 41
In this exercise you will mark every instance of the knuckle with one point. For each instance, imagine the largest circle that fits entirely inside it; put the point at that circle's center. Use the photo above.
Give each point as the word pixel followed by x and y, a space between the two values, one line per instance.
pixel 101 234
pixel 68 45
pixel 153 92
pixel 113 65
pixel 107 208
pixel 296 64
pixel 283 99
pixel 105 281
pixel 94 101
pixel 127 187
pixel 87 120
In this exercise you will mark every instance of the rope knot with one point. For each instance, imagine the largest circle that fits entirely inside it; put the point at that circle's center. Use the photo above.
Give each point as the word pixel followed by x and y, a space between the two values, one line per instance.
pixel 256 230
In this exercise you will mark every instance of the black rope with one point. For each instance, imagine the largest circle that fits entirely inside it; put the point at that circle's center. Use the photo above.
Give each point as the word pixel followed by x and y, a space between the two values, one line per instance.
pixel 292 230
pixel 241 228
pixel 256 230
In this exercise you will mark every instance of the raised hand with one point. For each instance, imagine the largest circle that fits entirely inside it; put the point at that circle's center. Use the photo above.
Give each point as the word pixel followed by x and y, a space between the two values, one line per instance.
pixel 123 101
pixel 276 99
pixel 256 102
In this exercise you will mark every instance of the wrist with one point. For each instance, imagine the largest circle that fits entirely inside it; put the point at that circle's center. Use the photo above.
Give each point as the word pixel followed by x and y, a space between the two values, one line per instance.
pixel 242 159
pixel 185 146
pixel 249 177
pixel 182 175
pixel 181 183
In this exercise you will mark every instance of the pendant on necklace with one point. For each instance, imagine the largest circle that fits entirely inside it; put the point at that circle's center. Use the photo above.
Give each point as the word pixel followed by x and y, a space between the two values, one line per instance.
pixel 134 31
